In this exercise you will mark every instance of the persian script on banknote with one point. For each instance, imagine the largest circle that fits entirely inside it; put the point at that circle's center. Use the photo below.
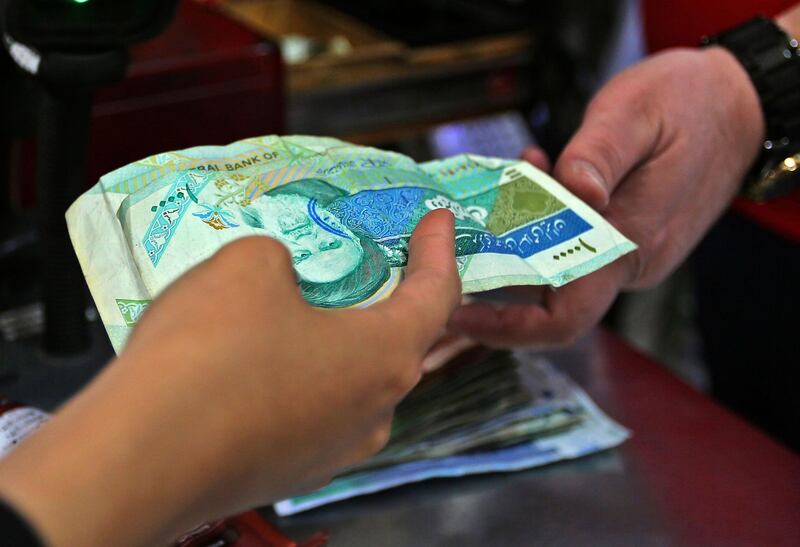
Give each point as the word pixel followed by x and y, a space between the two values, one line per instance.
pixel 345 213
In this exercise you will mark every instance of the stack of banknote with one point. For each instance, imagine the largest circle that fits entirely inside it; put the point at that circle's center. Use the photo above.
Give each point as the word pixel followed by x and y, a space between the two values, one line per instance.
pixel 346 214
pixel 484 413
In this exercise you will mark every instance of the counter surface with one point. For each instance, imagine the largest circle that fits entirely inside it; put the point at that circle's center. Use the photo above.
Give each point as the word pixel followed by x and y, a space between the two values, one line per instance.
pixel 692 474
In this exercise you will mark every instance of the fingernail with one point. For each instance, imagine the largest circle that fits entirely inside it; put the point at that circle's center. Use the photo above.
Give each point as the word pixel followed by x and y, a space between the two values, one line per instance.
pixel 587 171
pixel 451 217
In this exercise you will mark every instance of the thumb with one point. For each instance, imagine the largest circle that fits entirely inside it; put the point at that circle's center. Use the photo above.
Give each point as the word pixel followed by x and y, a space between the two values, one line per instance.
pixel 612 140
pixel 431 290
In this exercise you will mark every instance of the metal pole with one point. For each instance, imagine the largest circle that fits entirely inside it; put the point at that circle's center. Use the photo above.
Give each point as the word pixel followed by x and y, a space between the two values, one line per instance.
pixel 63 136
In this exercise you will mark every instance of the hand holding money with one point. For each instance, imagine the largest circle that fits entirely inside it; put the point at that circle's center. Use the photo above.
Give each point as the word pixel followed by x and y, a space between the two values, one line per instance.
pixel 345 216
pixel 660 172
pixel 197 420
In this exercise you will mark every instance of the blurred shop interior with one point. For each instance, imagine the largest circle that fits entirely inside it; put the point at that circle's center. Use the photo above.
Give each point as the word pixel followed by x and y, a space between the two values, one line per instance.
pixel 428 79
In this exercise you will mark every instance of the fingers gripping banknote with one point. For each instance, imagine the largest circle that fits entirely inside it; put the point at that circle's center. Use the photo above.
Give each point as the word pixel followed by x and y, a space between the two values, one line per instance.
pixel 345 213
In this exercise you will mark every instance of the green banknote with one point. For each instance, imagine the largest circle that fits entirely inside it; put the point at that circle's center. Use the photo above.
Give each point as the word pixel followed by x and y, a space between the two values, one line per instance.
pixel 345 213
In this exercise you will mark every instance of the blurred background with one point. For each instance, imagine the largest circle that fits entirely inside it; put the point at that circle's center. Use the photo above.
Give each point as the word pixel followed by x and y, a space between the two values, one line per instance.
pixel 425 78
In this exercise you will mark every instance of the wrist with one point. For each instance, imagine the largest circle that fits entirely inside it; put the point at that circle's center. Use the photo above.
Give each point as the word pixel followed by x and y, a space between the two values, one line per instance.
pixel 109 467
pixel 80 478
pixel 745 114
pixel 771 60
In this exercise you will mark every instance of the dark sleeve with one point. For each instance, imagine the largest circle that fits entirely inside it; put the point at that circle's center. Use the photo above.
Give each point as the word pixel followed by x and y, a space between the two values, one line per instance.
pixel 14 531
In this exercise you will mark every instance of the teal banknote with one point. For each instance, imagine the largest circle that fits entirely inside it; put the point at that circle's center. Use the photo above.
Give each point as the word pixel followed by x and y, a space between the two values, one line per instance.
pixel 345 213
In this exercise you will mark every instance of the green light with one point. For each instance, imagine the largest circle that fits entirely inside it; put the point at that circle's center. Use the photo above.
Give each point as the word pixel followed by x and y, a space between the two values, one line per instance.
pixel 80 1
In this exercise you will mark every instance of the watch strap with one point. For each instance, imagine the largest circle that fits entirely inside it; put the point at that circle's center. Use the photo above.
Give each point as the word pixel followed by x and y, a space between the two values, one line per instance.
pixel 772 61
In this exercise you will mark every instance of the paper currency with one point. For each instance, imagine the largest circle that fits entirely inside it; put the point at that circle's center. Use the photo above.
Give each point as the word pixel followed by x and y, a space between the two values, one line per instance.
pixel 479 403
pixel 345 213
pixel 558 422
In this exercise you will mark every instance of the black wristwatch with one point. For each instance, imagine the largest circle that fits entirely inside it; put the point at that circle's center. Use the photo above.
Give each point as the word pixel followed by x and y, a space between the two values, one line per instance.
pixel 772 60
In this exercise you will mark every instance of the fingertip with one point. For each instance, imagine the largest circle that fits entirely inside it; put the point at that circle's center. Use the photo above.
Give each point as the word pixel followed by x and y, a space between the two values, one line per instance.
pixel 432 249
pixel 537 157
pixel 583 179
pixel 436 222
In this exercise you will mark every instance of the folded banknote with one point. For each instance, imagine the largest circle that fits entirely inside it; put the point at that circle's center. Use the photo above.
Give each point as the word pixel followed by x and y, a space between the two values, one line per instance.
pixel 345 213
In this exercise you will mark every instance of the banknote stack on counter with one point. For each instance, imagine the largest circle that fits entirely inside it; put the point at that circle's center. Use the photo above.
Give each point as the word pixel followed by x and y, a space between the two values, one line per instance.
pixel 346 214
pixel 482 413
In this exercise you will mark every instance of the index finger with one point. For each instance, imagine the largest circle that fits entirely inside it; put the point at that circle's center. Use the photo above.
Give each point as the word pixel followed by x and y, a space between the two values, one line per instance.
pixel 564 315
pixel 431 290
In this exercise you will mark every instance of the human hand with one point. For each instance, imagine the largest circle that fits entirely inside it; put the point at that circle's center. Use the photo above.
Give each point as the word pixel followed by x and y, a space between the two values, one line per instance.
pixel 232 392
pixel 661 152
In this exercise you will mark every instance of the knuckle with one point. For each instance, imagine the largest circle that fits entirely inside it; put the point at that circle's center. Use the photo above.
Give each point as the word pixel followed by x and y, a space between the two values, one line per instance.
pixel 563 335
pixel 567 337
pixel 405 375
pixel 567 329
pixel 379 439
pixel 638 263
pixel 634 268
pixel 660 238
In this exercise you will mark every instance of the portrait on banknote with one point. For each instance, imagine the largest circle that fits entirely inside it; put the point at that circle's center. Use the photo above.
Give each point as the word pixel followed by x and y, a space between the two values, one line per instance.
pixel 336 265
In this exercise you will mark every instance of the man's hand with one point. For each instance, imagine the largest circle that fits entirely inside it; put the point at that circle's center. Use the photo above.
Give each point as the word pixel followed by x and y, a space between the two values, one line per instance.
pixel 661 153
pixel 232 392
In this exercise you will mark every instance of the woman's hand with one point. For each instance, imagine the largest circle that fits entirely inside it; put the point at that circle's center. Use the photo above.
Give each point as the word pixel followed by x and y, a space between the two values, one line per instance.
pixel 232 392
pixel 661 152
